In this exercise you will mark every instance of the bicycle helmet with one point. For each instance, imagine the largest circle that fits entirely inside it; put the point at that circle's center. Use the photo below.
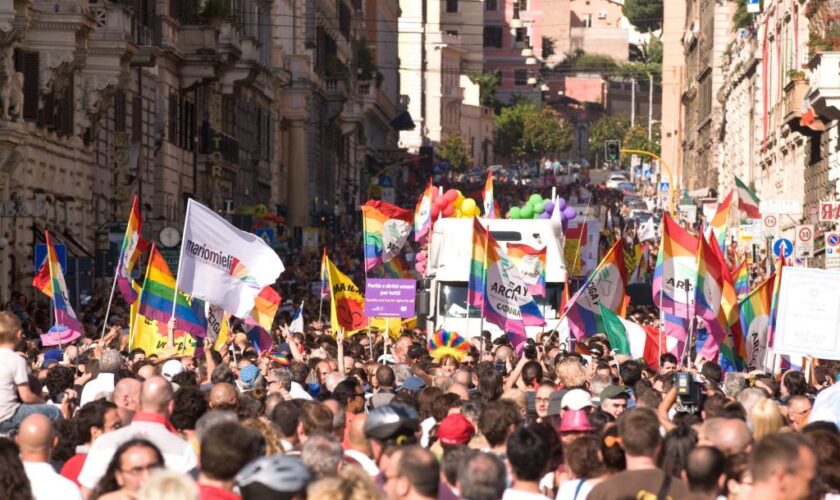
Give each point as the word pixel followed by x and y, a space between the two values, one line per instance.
pixel 392 423
pixel 267 476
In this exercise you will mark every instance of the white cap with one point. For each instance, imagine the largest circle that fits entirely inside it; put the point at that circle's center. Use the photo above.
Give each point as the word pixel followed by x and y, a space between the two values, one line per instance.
pixel 171 368
pixel 576 399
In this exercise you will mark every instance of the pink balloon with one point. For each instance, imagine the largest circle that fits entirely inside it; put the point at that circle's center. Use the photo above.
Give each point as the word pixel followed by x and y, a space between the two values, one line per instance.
pixel 420 257
pixel 449 210
pixel 451 195
pixel 419 267
pixel 435 211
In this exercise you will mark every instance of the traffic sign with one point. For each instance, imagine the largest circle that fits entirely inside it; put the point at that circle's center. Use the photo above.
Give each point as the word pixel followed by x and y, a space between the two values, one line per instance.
pixel 805 241
pixel 783 247
pixel 266 233
pixel 664 186
pixel 832 250
pixel 60 253
pixel 770 222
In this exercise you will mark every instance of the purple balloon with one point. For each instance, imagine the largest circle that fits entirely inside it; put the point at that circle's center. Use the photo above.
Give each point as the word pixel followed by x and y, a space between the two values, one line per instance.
pixel 561 204
pixel 569 212
pixel 549 207
pixel 545 215
pixel 565 224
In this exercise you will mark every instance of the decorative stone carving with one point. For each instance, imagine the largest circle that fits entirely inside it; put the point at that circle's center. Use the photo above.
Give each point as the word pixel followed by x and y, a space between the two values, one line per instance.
pixel 11 87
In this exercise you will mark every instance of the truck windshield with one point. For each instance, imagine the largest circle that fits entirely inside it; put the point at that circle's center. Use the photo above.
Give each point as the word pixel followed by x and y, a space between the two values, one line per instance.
pixel 452 301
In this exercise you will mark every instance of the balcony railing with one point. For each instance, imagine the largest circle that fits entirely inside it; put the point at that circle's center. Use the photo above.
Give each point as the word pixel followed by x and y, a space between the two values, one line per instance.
pixel 795 92
pixel 825 84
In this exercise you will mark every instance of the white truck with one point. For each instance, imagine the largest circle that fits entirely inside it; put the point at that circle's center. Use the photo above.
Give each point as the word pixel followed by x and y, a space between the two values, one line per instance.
pixel 450 253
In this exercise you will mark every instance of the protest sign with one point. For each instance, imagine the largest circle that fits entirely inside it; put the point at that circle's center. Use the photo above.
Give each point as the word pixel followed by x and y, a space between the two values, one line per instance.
pixel 808 321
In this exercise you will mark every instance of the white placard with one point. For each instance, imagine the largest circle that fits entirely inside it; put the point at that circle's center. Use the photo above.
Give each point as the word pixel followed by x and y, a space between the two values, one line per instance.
pixel 779 207
pixel 808 321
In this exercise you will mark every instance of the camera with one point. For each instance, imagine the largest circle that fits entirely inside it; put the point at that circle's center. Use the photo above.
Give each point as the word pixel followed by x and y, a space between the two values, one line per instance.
pixel 690 392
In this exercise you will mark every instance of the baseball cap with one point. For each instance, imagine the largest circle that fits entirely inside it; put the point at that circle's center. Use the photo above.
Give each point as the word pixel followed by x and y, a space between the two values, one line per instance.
pixel 248 378
pixel 455 429
pixel 614 391
pixel 413 383
pixel 575 421
pixel 171 368
pixel 576 399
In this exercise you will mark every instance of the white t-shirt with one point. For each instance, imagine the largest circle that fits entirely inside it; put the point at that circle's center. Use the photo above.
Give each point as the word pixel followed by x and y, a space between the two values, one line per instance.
pixel 177 453
pixel 568 488
pixel 103 383
pixel 12 374
pixel 511 494
pixel 46 484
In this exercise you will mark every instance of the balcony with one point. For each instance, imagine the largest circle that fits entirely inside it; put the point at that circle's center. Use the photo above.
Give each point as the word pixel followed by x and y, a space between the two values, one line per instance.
pixel 453 93
pixel 795 92
pixel 825 84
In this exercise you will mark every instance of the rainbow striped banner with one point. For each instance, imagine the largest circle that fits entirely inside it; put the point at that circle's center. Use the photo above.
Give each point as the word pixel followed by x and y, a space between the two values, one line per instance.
pixel 675 277
pixel 742 279
pixel 158 292
pixel 774 301
pixel 755 320
pixel 265 308
pixel 605 286
pixel 707 298
pixel 423 215
pixel 530 263
pixel 386 228
pixel 132 247
pixel 720 222
pixel 50 280
pixel 487 196
pixel 733 351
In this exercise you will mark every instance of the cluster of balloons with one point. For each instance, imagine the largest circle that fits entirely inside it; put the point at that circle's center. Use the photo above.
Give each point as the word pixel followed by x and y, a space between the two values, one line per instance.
pixel 453 204
pixel 420 261
pixel 539 208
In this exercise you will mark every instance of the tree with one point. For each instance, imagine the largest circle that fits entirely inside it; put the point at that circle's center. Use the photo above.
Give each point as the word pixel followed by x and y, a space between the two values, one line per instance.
pixel 608 128
pixel 653 51
pixel 455 150
pixel 510 126
pixel 526 130
pixel 637 138
pixel 487 82
pixel 645 15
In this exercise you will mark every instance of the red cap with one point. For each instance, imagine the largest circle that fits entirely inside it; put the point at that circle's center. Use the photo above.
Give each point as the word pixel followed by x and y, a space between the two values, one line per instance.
pixel 455 429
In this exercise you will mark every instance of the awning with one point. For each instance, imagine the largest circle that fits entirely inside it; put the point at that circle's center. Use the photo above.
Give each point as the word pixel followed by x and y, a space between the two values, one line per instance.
pixel 74 245
pixel 402 121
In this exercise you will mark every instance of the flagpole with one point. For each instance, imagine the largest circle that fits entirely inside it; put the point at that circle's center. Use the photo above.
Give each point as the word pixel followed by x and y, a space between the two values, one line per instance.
pixel 170 341
pixel 580 243
pixel 108 309
pixel 484 280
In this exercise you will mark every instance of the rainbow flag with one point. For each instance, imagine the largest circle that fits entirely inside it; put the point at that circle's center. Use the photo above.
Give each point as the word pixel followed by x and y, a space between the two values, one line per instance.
pixel 742 279
pixel 158 292
pixel 755 319
pixel 774 301
pixel 325 289
pixel 675 277
pixel 487 196
pixel 707 298
pixel 396 268
pixel 265 308
pixel 132 246
pixel 530 263
pixel 68 326
pixel 720 222
pixel 496 287
pixel 605 286
pixel 733 351
pixel 386 228
pixel 423 215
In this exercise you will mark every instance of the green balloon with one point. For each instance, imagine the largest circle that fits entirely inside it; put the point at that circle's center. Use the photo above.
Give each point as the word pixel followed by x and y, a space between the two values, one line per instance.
pixel 535 198
pixel 526 212
pixel 514 213
pixel 539 207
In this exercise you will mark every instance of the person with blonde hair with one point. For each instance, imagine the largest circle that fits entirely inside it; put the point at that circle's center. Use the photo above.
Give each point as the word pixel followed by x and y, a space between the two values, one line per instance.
pixel 352 483
pixel 766 418
pixel 168 485
pixel 518 397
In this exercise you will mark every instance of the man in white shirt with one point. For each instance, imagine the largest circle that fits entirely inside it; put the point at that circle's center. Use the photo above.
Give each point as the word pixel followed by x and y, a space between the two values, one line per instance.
pixel 151 422
pixel 528 454
pixel 103 384
pixel 36 440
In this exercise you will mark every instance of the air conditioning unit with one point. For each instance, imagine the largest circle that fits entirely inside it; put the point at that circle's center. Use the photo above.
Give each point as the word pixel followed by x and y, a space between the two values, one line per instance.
pixel 602 14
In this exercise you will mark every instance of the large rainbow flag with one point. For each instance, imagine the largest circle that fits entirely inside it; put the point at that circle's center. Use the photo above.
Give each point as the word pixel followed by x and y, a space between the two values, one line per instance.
pixel 720 222
pixel 386 228
pixel 132 247
pixel 605 286
pixel 488 200
pixel 158 293
pixel 742 279
pixel 50 281
pixel 265 308
pixel 774 301
pixel 531 264
pixel 755 319
pixel 423 215
pixel 675 277
pixel 497 289
pixel 707 298
pixel 733 351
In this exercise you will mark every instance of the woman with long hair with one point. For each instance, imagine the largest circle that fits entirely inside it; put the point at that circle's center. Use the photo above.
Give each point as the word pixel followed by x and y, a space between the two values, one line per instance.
pixel 14 485
pixel 130 466
pixel 766 418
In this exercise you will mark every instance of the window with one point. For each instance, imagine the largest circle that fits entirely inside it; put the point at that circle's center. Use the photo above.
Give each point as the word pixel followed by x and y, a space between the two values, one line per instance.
pixel 520 77
pixel 136 118
pixel 344 18
pixel 523 5
pixel 491 5
pixel 516 10
pixel 493 36
pixel 119 111
pixel 452 32
pixel 587 20
pixel 181 120
pixel 521 34
pixel 451 6
pixel 28 63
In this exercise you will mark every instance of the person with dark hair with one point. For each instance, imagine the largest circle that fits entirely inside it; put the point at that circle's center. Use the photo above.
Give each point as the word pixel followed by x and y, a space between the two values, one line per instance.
pixel 584 467
pixel 496 423
pixel 351 396
pixel 189 405
pixel 782 467
pixel 793 384
pixel 59 379
pixel 286 416
pixel 314 418
pixel 713 374
pixel 667 364
pixel 225 449
pixel 705 472
pixel 676 446
pixel 90 422
pixel 738 485
pixel 490 385
pixel 612 453
pixel 14 485
pixel 638 430
pixel 481 477
pixel 798 410
pixel 412 473
pixel 453 457
pixel 130 466
pixel 827 450
pixel 528 454
pixel 630 372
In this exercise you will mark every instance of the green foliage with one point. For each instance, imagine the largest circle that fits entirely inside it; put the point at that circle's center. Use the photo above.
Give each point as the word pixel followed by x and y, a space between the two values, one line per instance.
pixel 608 128
pixel 594 63
pixel 548 47
pixel 487 82
pixel 741 18
pixel 364 61
pixel 645 15
pixel 637 138
pixel 216 9
pixel 526 130
pixel 653 51
pixel 456 151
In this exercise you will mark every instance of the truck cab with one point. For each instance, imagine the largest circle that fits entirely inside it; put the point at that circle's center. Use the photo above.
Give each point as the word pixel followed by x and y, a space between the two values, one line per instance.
pixel 450 253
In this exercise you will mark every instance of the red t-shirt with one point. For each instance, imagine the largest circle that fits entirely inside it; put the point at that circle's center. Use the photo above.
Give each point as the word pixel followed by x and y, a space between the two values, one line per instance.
pixel 73 467
pixel 207 492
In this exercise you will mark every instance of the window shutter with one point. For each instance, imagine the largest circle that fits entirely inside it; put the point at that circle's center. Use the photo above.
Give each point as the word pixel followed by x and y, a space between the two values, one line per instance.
pixel 30 67
pixel 119 111
pixel 136 118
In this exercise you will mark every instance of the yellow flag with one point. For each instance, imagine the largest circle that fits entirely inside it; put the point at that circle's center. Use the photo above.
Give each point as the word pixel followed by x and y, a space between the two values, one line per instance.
pixel 394 327
pixel 347 303
pixel 151 336
pixel 134 306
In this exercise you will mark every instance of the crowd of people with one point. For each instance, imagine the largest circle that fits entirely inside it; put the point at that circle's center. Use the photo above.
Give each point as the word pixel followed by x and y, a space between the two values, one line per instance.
pixel 363 417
